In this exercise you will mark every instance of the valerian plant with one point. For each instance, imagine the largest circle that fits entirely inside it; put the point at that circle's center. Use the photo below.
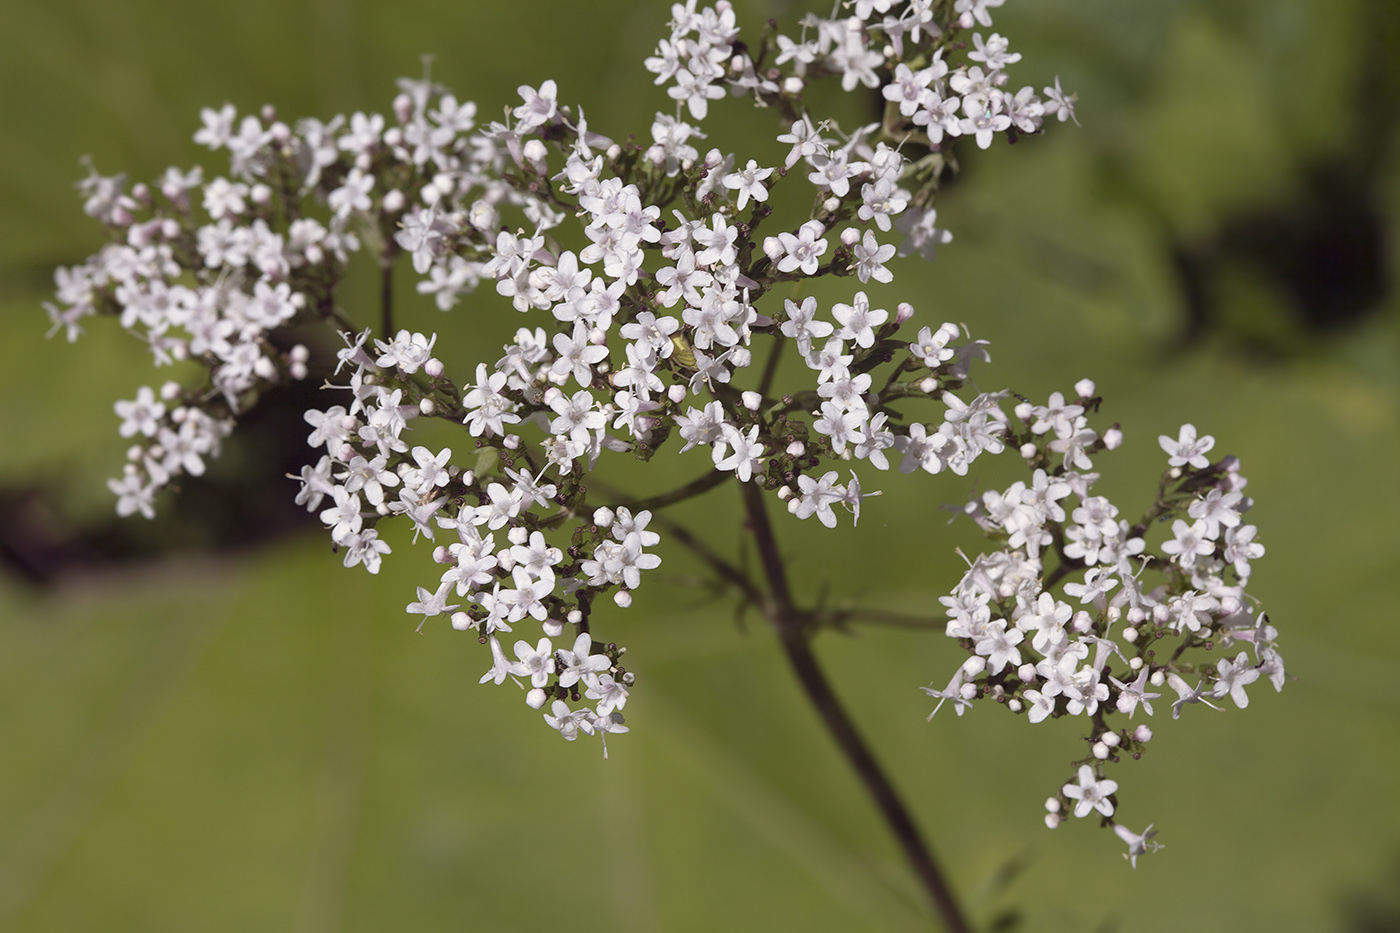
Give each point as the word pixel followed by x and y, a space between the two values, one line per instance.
pixel 658 299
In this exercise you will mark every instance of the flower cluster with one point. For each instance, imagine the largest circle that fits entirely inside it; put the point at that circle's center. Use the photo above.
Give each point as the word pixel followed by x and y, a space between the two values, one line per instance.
pixel 642 273
pixel 1113 619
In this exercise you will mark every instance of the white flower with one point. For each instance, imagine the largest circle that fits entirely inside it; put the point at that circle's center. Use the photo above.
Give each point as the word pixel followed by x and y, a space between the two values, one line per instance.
pixel 802 250
pixel 1091 793
pixel 870 257
pixel 1188 542
pixel 747 455
pixel 858 320
pixel 536 663
pixel 748 181
pixel 1187 449
pixel 1234 677
pixel 1137 845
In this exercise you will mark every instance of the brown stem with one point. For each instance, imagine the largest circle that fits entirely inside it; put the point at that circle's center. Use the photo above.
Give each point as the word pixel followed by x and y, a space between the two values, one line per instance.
pixel 794 631
pixel 771 369
pixel 386 300
pixel 693 488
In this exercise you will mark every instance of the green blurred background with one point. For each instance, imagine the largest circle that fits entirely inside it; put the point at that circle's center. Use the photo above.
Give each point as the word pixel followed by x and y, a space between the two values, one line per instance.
pixel 242 735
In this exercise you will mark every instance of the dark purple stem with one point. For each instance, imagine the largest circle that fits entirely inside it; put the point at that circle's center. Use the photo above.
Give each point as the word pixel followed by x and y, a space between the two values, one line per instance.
pixel 795 628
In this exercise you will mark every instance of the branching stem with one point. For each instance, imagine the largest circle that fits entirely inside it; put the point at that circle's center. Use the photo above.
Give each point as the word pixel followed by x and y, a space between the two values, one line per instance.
pixel 794 628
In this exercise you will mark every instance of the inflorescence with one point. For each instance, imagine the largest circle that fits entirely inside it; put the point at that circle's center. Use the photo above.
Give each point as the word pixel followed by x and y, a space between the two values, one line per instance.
pixel 639 270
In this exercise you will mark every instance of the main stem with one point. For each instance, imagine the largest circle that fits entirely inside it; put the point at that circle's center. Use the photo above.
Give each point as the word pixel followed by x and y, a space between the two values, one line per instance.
pixel 794 633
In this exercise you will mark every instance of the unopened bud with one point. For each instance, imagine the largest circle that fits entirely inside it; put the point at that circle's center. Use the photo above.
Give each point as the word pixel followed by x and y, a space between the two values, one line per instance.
pixel 536 153
pixel 483 216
